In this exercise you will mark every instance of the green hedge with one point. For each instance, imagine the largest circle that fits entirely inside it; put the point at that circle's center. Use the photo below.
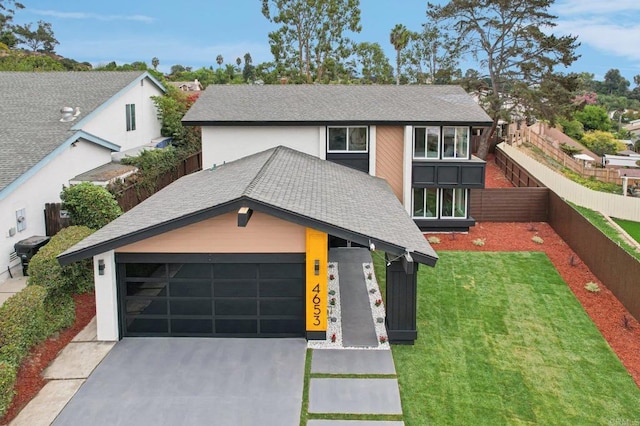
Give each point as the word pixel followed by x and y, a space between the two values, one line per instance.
pixel 90 205
pixel 44 269
pixel 26 319
pixel 8 375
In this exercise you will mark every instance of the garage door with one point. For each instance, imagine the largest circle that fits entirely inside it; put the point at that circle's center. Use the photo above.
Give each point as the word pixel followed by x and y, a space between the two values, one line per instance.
pixel 212 299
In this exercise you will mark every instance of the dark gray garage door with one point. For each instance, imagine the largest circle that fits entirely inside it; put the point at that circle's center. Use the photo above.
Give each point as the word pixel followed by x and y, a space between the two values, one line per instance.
pixel 212 299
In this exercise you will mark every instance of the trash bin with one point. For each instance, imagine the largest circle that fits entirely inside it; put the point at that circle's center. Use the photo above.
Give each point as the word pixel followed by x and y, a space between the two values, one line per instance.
pixel 27 248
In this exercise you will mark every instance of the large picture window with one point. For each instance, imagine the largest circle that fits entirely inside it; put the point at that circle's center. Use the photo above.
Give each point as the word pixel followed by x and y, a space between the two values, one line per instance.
pixel 347 139
pixel 440 143
pixel 426 142
pixel 439 203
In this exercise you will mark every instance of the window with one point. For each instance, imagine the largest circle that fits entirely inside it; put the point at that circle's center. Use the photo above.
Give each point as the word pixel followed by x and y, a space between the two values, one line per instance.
pixel 455 142
pixel 426 142
pixel 443 203
pixel 130 110
pixel 349 139
pixel 425 202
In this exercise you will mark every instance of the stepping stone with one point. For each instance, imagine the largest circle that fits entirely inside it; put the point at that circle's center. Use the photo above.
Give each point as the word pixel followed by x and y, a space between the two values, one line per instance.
pixel 352 361
pixel 354 396
pixel 353 423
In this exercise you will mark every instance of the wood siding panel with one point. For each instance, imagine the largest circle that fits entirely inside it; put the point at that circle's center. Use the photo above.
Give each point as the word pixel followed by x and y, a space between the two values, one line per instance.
pixel 510 204
pixel 221 234
pixel 389 153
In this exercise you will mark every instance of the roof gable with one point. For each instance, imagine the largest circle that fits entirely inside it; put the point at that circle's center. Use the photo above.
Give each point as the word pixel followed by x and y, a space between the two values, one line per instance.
pixel 280 182
pixel 326 104
pixel 30 112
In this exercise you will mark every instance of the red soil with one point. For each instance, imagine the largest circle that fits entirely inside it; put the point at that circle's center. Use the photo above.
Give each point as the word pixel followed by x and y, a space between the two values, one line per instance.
pixel 618 327
pixel 30 379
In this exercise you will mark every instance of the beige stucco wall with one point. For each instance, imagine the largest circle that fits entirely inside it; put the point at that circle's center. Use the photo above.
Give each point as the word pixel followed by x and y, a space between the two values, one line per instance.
pixel 221 234
pixel 389 156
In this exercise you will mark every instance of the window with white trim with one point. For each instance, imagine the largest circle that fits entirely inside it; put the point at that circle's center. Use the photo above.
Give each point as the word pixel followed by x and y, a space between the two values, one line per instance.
pixel 426 142
pixel 348 139
pixel 130 111
pixel 441 142
pixel 439 203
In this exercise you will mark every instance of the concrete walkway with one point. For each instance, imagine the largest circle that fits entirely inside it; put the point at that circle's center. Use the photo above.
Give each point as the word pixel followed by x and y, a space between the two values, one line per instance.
pixel 10 287
pixel 65 375
pixel 376 392
pixel 358 329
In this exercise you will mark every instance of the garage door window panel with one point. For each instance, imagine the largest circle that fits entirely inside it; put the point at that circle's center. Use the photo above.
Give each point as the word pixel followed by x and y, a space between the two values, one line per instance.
pixel 190 288
pixel 234 270
pixel 146 288
pixel 146 306
pixel 191 307
pixel 235 326
pixel 235 288
pixel 148 326
pixel 189 270
pixel 281 288
pixel 281 326
pixel 236 307
pixel 281 308
pixel 191 326
pixel 146 270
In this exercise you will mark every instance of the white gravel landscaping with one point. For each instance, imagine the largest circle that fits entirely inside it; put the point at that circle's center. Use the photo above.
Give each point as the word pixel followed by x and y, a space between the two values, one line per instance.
pixel 334 321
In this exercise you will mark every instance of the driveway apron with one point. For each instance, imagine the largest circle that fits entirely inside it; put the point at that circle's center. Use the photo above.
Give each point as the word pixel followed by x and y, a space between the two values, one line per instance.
pixel 193 381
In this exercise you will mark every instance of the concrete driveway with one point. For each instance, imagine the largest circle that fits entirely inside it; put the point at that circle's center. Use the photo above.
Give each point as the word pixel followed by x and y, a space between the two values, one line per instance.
pixel 193 381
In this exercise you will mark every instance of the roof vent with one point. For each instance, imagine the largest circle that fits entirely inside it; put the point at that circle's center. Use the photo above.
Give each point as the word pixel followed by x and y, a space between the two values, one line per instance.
pixel 69 114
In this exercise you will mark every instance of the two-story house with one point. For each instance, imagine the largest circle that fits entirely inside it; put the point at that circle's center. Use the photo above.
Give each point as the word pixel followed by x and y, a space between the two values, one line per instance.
pixel 57 125
pixel 418 138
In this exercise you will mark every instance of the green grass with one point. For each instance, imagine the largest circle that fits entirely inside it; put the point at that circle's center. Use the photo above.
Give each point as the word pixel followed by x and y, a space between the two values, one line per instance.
pixel 632 228
pixel 605 227
pixel 502 340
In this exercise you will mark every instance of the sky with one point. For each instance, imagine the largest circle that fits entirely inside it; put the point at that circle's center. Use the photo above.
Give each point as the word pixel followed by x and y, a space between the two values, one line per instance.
pixel 193 32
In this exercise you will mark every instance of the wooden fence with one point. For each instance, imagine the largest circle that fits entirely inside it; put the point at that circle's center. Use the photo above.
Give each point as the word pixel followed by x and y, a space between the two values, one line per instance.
pixel 509 204
pixel 134 194
pixel 54 218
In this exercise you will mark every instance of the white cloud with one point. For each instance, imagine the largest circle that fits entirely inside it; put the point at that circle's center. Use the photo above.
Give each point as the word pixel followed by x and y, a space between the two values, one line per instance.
pixel 589 7
pixel 93 16
pixel 609 37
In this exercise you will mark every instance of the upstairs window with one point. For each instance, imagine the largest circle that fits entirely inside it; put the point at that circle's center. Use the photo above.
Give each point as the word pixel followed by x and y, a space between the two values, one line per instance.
pixel 440 143
pixel 130 110
pixel 426 142
pixel 347 139
pixel 455 142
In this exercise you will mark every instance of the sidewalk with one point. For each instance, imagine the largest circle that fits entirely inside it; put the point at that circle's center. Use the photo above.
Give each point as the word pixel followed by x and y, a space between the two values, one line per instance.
pixel 11 287
pixel 65 375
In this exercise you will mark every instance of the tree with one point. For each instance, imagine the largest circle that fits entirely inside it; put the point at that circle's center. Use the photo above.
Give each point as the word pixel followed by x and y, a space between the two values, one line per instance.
pixel 311 32
pixel 249 71
pixel 615 84
pixel 41 38
pixel 7 11
pixel 600 142
pixel 507 39
pixel 432 55
pixel 219 60
pixel 399 38
pixel 373 63
pixel 155 62
pixel 593 117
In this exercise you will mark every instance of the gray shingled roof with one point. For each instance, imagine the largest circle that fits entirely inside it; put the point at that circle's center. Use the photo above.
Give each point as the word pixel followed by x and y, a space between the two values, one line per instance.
pixel 280 181
pixel 334 103
pixel 30 112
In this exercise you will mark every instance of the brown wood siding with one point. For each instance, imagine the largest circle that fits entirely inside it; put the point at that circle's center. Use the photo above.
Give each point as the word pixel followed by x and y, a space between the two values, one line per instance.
pixel 389 156
pixel 221 234
pixel 509 204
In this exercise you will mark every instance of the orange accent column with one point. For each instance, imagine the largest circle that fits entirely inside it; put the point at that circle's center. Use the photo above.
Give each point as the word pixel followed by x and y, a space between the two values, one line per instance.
pixel 316 284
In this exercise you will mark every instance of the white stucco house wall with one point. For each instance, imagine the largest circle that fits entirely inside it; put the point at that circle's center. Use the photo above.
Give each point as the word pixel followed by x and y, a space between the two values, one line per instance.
pixel 42 150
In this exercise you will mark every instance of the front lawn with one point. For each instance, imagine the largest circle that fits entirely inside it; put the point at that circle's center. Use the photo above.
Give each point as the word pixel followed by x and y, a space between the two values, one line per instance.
pixel 632 228
pixel 502 340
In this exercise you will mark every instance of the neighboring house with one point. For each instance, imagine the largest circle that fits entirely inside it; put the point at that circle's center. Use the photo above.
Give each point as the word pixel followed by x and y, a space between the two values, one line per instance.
pixel 240 250
pixel 187 86
pixel 634 128
pixel 57 125
pixel 418 138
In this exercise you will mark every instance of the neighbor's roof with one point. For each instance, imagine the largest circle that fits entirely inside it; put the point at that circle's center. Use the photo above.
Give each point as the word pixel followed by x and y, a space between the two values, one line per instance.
pixel 281 182
pixel 30 127
pixel 326 104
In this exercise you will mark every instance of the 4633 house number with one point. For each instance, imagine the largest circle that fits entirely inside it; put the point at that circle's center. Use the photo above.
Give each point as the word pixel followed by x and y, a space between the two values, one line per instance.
pixel 316 301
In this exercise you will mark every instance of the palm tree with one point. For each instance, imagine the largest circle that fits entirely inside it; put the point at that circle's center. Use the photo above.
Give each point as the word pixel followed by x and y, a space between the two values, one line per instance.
pixel 155 62
pixel 399 38
pixel 219 60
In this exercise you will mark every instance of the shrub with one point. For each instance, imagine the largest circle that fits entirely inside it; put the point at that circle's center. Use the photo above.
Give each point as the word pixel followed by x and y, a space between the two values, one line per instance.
pixel 600 142
pixel 478 242
pixel 44 269
pixel 8 375
pixel 569 149
pixel 536 239
pixel 26 319
pixel 433 240
pixel 574 129
pixel 593 117
pixel 90 205
pixel 592 287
